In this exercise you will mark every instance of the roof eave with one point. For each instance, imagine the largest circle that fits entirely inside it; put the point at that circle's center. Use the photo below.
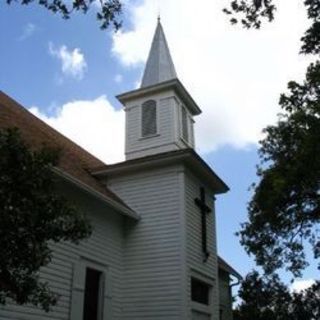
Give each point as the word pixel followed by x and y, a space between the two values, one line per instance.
pixel 196 162
pixel 188 156
pixel 110 202
pixel 174 84
pixel 223 265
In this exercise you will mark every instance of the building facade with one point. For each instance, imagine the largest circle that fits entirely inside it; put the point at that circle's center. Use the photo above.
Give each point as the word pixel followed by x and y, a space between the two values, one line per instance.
pixel 153 251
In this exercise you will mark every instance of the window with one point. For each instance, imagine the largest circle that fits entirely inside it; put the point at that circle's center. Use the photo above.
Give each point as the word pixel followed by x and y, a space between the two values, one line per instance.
pixel 92 295
pixel 220 314
pixel 149 118
pixel 184 124
pixel 91 291
pixel 200 291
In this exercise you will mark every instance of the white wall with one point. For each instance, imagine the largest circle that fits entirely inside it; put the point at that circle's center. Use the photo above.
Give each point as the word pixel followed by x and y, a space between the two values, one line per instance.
pixel 163 250
pixel 153 277
pixel 168 137
pixel 104 248
pixel 225 295
pixel 205 271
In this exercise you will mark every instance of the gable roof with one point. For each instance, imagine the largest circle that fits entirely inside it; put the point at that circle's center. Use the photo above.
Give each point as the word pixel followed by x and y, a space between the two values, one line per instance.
pixel 74 162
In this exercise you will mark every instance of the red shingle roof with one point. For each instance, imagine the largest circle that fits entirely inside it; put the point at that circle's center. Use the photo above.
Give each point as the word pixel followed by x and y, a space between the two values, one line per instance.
pixel 74 160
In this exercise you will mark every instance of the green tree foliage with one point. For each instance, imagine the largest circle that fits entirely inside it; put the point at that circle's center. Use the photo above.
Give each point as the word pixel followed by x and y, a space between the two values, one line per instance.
pixel 109 10
pixel 285 208
pixel 284 213
pixel 32 215
pixel 265 298
pixel 262 298
pixel 252 12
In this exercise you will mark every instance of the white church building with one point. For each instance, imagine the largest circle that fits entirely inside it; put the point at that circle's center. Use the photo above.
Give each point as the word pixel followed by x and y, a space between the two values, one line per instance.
pixel 153 251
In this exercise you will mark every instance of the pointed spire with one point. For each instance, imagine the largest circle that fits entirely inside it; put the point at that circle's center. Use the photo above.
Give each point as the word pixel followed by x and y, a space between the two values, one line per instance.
pixel 159 66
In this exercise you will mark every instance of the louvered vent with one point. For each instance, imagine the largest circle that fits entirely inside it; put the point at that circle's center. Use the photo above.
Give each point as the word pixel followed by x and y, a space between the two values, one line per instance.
pixel 184 122
pixel 149 118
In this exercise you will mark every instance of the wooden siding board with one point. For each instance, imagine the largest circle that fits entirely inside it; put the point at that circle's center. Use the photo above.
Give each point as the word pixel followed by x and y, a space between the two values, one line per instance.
pixel 225 296
pixel 194 249
pixel 164 140
pixel 152 275
pixel 104 247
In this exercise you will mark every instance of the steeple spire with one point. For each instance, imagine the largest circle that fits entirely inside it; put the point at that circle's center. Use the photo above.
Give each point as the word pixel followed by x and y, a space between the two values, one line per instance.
pixel 159 66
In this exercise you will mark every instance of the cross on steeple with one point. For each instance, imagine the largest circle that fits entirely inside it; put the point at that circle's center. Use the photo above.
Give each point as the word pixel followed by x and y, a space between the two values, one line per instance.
pixel 204 209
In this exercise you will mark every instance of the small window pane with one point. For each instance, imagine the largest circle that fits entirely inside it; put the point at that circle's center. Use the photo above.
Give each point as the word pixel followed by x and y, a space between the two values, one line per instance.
pixel 149 118
pixel 184 120
pixel 200 291
pixel 92 295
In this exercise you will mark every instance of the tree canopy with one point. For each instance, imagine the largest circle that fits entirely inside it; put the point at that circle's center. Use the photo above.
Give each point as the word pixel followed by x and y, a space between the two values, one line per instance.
pixel 108 11
pixel 284 212
pixel 32 215
pixel 285 208
pixel 265 298
pixel 253 12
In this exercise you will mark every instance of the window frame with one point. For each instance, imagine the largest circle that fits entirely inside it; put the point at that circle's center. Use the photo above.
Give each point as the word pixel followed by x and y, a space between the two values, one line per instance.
pixel 208 288
pixel 100 295
pixel 211 282
pixel 78 289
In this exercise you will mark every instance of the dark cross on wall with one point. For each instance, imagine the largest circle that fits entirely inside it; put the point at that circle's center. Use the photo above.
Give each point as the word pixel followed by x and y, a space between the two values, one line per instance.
pixel 204 209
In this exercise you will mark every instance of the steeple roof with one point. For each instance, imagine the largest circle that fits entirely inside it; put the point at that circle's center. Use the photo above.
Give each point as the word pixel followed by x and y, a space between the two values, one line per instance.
pixel 159 66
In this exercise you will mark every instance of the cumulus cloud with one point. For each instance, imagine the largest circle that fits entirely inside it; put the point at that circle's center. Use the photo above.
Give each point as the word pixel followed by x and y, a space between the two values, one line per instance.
pixel 73 63
pixel 93 124
pixel 235 75
pixel 299 285
pixel 27 32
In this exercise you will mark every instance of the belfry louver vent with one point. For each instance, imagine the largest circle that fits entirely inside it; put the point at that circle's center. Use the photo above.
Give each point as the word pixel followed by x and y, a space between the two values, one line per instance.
pixel 149 118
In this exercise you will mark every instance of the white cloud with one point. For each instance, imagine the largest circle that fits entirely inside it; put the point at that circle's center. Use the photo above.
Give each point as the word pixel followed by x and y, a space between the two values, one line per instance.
pixel 95 125
pixel 299 285
pixel 118 78
pixel 235 75
pixel 73 63
pixel 27 32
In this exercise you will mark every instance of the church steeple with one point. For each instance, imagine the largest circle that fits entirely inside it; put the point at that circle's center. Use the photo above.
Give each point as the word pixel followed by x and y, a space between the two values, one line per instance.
pixel 159 67
pixel 160 114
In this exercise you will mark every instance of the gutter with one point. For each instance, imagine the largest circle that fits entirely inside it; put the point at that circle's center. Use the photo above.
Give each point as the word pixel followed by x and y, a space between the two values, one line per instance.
pixel 98 195
pixel 235 283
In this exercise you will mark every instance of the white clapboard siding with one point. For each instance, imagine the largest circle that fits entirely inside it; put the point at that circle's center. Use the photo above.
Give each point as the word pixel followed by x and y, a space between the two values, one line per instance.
pixel 163 140
pixel 225 295
pixel 195 262
pixel 152 286
pixel 104 247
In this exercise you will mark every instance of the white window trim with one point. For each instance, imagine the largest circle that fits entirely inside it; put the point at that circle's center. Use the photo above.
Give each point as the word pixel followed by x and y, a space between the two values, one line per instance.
pixel 78 288
pixel 196 306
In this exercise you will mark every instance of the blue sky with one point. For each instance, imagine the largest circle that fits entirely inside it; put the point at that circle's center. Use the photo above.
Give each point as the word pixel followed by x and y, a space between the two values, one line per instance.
pixel 68 72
